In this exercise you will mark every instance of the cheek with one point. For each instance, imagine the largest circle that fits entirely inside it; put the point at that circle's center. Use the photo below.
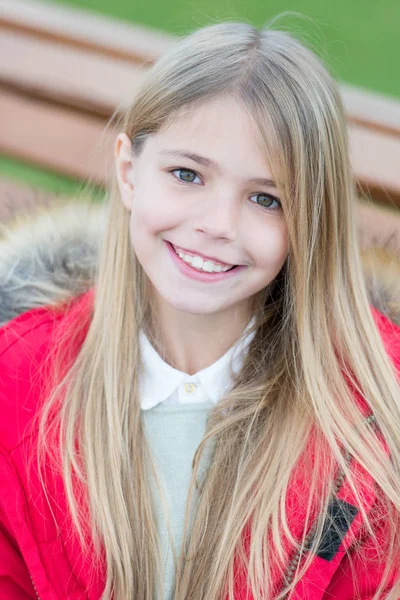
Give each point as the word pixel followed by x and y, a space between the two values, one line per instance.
pixel 155 211
pixel 146 218
pixel 269 246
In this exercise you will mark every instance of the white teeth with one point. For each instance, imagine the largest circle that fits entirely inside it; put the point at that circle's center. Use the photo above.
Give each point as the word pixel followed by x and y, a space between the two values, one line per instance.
pixel 209 266
pixel 197 262
pixel 202 265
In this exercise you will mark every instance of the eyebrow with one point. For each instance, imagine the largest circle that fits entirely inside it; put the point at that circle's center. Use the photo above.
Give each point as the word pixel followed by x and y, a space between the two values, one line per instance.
pixel 208 162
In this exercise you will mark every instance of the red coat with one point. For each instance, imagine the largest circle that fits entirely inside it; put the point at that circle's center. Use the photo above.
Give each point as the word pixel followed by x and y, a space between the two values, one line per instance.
pixel 39 557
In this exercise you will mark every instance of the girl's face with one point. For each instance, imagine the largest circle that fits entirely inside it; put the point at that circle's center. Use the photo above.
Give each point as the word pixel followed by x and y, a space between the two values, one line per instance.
pixel 202 201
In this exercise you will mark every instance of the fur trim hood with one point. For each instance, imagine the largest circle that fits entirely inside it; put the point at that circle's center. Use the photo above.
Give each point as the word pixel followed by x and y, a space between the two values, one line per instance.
pixel 51 254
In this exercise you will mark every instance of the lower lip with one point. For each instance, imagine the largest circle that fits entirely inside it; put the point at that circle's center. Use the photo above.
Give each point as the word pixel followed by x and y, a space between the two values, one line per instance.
pixel 189 271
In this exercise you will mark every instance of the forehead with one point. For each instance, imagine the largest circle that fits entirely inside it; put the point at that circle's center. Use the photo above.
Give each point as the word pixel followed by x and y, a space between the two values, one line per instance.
pixel 221 129
pixel 211 113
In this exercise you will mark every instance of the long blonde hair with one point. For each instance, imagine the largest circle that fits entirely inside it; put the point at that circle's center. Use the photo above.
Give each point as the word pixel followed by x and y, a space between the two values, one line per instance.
pixel 315 335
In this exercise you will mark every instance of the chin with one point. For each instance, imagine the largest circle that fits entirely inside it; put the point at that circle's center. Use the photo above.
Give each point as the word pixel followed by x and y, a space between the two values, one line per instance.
pixel 193 306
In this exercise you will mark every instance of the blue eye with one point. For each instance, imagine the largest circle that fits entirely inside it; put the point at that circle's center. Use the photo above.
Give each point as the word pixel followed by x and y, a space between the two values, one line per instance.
pixel 186 175
pixel 267 201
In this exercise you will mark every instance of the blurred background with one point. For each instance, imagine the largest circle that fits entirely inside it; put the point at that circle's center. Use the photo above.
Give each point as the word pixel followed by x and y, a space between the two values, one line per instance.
pixel 360 38
pixel 66 66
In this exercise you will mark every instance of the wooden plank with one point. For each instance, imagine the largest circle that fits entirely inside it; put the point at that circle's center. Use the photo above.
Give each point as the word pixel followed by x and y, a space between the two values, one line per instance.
pixel 116 38
pixel 56 138
pixel 100 83
pixel 372 110
pixel 375 159
pixel 83 29
pixel 378 226
pixel 75 144
pixel 67 74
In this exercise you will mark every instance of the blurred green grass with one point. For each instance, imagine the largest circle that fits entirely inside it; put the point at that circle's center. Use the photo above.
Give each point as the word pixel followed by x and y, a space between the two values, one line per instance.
pixel 43 178
pixel 359 39
pixel 46 180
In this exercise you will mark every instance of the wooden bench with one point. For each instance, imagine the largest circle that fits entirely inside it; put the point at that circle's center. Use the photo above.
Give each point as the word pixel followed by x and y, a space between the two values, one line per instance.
pixel 64 73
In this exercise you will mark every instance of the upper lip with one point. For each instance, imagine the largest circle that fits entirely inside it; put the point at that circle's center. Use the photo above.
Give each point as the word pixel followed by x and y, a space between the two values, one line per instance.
pixel 203 256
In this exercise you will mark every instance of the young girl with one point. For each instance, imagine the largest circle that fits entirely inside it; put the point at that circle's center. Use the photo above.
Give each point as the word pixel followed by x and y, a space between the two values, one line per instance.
pixel 218 416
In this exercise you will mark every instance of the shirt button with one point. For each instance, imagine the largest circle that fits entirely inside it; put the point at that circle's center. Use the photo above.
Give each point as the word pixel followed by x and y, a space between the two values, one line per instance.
pixel 189 388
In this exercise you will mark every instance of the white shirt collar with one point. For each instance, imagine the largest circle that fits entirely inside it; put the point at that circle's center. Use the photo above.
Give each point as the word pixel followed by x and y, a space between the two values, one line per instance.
pixel 158 380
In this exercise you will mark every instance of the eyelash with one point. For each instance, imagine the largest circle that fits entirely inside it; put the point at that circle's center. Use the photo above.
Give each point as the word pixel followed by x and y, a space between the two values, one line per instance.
pixel 173 171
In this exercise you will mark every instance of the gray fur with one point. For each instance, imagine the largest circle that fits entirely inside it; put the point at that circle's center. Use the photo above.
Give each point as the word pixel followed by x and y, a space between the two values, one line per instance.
pixel 49 257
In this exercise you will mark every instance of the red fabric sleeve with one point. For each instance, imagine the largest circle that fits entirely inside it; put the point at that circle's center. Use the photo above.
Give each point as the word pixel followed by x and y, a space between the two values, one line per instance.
pixel 15 581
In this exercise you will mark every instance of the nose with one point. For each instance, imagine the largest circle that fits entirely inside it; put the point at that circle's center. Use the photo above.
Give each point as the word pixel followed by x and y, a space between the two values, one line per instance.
pixel 218 217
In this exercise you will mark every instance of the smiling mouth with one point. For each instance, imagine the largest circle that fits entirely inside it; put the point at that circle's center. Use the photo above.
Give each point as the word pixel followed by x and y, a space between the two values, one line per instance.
pixel 201 263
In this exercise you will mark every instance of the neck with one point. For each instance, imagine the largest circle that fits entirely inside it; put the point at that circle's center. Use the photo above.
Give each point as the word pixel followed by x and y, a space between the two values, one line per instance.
pixel 191 342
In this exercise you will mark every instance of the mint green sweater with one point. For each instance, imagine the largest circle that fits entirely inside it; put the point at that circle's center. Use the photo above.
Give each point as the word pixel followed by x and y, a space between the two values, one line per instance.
pixel 174 433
